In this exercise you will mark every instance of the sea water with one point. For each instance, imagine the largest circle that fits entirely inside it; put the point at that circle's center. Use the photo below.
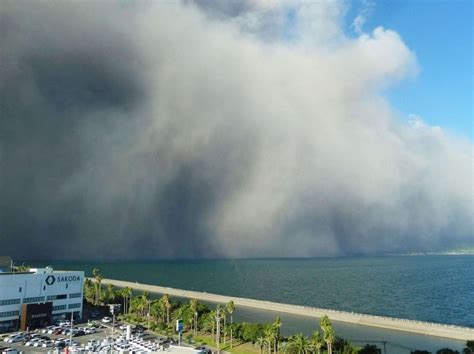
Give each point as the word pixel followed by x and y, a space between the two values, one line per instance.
pixel 427 288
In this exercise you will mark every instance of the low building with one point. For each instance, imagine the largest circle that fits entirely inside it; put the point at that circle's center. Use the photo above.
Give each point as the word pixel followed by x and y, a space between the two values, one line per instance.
pixel 38 297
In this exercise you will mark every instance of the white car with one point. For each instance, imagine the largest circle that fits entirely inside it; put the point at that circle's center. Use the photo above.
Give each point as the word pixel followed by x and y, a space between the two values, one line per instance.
pixel 106 320
pixel 90 330
pixel 70 342
pixel 47 343
pixel 39 343
pixel 52 329
pixel 10 351
pixel 32 342
pixel 15 338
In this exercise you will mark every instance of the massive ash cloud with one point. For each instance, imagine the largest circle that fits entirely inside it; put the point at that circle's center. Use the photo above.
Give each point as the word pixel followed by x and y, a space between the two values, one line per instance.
pixel 204 130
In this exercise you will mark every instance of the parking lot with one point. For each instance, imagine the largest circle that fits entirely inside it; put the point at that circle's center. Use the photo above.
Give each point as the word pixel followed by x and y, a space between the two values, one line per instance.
pixel 102 332
pixel 49 340
pixel 21 346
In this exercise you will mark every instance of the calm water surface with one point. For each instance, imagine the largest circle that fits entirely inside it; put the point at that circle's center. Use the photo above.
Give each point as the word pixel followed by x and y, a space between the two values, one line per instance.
pixel 429 288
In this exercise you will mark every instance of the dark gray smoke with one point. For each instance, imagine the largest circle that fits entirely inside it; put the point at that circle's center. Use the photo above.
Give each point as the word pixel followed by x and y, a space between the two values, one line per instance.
pixel 180 130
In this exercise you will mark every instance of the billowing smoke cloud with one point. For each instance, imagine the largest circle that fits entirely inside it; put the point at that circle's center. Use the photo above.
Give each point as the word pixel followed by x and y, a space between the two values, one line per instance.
pixel 207 130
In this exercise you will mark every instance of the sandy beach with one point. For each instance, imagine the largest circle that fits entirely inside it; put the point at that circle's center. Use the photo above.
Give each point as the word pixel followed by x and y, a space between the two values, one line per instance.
pixel 426 328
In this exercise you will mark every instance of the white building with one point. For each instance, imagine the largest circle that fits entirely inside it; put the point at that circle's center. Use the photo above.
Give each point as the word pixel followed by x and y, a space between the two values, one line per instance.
pixel 61 292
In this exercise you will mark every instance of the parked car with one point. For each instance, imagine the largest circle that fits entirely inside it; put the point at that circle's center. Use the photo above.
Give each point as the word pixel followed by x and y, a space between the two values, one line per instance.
pixel 90 330
pixel 39 343
pixel 15 338
pixel 66 332
pixel 106 320
pixel 78 333
pixel 9 351
pixel 70 342
pixel 47 343
pixel 32 342
pixel 59 345
pixel 53 329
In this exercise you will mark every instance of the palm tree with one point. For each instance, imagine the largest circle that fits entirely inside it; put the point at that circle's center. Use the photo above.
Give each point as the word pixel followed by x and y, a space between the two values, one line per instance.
pixel 230 309
pixel 328 332
pixel 146 305
pixel 276 326
pixel 208 322
pixel 261 343
pixel 224 316
pixel 127 295
pixel 161 301
pixel 89 290
pixel 156 310
pixel 283 347
pixel 123 294
pixel 218 325
pixel 110 294
pixel 167 304
pixel 136 306
pixel 298 343
pixel 184 313
pixel 194 308
pixel 270 336
pixel 316 341
pixel 141 304
pixel 98 279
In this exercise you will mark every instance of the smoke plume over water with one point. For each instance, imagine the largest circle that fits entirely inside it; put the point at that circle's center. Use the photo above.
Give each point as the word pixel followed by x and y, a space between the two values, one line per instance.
pixel 216 129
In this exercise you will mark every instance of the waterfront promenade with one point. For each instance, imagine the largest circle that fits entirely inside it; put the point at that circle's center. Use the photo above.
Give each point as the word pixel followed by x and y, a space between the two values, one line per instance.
pixel 418 327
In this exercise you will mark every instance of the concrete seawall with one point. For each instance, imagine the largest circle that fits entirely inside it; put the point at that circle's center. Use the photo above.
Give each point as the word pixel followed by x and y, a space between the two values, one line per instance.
pixel 426 328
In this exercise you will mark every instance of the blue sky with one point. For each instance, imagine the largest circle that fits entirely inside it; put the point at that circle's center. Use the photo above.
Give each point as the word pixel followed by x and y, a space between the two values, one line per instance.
pixel 440 32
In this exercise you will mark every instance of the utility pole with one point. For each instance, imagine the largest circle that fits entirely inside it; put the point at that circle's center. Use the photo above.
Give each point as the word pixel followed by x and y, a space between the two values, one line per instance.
pixel 70 334
pixel 149 308
pixel 112 308
pixel 218 327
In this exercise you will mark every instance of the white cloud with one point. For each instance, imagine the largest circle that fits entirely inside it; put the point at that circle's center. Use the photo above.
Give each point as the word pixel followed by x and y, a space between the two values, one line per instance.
pixel 241 145
pixel 363 15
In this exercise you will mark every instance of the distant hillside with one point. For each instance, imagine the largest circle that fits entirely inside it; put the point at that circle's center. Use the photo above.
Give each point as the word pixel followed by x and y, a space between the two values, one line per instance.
pixel 458 251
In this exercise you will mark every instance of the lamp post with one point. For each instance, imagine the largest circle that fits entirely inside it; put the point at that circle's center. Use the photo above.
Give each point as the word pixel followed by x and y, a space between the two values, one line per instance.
pixel 148 315
pixel 112 309
pixel 70 333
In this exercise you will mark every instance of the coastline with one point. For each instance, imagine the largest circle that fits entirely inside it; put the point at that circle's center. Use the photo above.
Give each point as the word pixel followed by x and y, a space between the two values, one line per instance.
pixel 411 326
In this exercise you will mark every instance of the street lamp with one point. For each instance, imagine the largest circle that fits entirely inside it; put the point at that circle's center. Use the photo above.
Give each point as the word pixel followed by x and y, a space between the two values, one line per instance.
pixel 149 307
pixel 112 309
pixel 70 334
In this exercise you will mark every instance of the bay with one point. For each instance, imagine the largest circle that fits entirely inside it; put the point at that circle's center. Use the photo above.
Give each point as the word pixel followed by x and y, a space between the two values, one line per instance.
pixel 427 288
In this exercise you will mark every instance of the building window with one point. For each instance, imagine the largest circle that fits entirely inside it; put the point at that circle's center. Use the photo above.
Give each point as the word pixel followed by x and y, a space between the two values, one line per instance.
pixel 19 290
pixel 9 302
pixel 74 306
pixel 9 314
pixel 28 300
pixel 59 307
pixel 75 295
pixel 56 297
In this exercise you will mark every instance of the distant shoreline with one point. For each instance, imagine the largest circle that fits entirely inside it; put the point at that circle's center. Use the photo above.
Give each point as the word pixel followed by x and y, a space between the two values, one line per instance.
pixel 411 326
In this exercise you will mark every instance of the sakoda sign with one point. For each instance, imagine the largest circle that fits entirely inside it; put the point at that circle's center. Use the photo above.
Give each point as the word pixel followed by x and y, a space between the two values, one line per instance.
pixel 51 279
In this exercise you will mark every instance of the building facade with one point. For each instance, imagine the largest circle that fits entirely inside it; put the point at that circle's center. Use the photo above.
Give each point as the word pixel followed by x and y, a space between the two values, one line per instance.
pixel 60 292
